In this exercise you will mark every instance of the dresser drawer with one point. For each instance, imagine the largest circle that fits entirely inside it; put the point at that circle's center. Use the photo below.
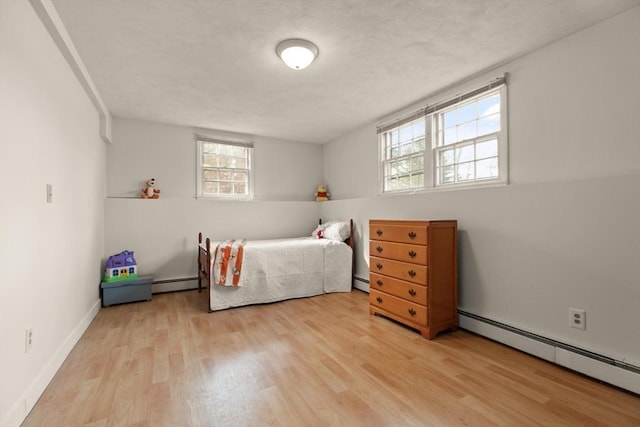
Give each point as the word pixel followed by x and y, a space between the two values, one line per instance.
pixel 407 290
pixel 413 234
pixel 398 306
pixel 400 270
pixel 399 251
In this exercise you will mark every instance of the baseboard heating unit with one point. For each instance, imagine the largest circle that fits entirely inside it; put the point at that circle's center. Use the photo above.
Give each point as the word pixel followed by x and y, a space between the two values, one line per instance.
pixel 173 285
pixel 615 372
pixel 363 284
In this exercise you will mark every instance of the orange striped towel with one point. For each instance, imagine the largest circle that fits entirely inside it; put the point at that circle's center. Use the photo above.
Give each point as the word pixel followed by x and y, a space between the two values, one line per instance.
pixel 227 264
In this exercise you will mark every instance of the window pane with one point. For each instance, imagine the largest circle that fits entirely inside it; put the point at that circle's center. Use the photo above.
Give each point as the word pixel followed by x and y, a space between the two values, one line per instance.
pixel 449 136
pixel 447 174
pixel 390 184
pixel 404 166
pixel 240 176
pixel 418 128
pixel 487 149
pixel 490 105
pixel 417 181
pixel 467 131
pixel 446 157
pixel 406 149
pixel 208 148
pixel 405 133
pixel 210 187
pixel 464 154
pixel 226 188
pixel 226 175
pixel 210 160
pixel 403 182
pixel 210 175
pixel 449 119
pixel 465 172
pixel 417 164
pixel 393 137
pixel 239 152
pixel 487 168
pixel 466 113
pixel 391 169
pixel 489 124
pixel 240 188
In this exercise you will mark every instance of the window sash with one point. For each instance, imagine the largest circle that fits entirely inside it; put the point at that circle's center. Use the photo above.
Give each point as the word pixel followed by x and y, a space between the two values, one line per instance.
pixel 465 158
pixel 218 175
pixel 402 152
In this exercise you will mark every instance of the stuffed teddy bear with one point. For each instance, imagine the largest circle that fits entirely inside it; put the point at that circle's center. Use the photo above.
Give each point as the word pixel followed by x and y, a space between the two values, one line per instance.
pixel 322 194
pixel 150 192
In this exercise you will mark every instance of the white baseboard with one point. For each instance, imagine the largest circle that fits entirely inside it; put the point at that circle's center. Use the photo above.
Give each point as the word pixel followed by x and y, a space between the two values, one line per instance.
pixel 556 353
pixel 20 409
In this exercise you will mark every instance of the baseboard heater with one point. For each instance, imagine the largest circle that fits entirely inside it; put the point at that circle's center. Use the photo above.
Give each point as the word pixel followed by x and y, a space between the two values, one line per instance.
pixel 359 286
pixel 606 369
pixel 172 285
pixel 360 279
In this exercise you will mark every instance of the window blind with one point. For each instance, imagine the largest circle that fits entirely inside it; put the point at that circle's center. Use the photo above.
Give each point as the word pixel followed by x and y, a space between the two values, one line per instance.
pixel 429 109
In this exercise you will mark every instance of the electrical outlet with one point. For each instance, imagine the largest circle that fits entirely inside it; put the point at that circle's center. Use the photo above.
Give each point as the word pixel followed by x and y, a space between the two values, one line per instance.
pixel 577 318
pixel 28 339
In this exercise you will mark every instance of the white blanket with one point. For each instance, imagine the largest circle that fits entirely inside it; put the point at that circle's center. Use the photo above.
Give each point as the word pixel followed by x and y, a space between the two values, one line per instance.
pixel 275 270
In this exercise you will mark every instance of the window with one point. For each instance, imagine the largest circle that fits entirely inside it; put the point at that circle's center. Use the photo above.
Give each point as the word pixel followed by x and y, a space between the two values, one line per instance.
pixel 225 169
pixel 403 156
pixel 459 142
pixel 467 140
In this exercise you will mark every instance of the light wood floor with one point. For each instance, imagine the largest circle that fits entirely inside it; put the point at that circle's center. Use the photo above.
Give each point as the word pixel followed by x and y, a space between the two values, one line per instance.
pixel 321 361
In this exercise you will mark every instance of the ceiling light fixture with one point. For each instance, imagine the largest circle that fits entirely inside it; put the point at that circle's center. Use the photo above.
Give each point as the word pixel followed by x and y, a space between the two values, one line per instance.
pixel 297 53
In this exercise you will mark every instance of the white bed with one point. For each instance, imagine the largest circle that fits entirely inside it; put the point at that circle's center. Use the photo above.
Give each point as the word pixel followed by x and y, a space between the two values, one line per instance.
pixel 276 270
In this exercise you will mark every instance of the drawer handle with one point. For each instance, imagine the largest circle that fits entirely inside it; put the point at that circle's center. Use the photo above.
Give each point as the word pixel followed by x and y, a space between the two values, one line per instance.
pixel 379 266
pixel 379 249
pixel 412 292
pixel 412 235
pixel 412 254
pixel 412 312
pixel 379 300
pixel 379 282
pixel 412 273
pixel 379 232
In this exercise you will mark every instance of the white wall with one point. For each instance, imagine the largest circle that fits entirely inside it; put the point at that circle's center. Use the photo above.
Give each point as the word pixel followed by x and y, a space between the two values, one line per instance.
pixel 566 231
pixel 163 232
pixel 50 254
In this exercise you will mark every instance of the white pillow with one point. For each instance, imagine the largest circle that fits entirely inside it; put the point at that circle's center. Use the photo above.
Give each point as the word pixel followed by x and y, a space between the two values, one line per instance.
pixel 337 230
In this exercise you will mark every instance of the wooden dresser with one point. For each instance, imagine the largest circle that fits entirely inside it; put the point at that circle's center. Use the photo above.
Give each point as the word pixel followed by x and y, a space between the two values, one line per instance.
pixel 413 273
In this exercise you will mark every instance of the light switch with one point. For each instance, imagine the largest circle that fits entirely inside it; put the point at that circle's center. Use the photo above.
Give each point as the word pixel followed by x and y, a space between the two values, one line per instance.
pixel 49 193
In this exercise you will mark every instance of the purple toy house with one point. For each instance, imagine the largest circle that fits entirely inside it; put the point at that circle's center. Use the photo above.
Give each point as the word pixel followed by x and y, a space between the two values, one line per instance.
pixel 121 266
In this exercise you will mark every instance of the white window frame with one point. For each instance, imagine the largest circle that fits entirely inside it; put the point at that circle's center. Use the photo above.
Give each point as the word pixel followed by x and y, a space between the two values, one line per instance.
pixel 387 159
pixel 248 145
pixel 430 115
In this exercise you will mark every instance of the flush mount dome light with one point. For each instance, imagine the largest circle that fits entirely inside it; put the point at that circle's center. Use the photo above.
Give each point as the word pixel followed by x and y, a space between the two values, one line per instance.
pixel 297 53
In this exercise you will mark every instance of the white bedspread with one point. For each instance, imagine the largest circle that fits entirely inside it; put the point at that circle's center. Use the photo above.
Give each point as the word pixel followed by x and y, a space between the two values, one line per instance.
pixel 275 270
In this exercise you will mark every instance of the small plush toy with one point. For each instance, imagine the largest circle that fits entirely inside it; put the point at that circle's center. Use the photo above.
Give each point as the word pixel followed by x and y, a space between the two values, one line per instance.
pixel 322 194
pixel 150 192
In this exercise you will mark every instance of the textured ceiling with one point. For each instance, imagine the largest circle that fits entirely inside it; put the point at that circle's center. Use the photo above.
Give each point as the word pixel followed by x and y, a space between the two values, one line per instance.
pixel 212 63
